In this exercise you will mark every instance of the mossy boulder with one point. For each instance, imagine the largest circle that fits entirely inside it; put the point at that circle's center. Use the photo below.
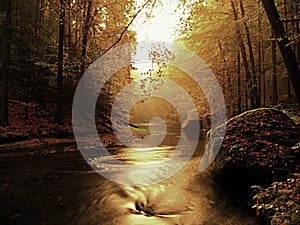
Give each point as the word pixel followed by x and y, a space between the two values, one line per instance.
pixel 261 142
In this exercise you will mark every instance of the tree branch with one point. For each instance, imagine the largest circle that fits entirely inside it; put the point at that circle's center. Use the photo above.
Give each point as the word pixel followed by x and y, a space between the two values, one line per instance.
pixel 128 25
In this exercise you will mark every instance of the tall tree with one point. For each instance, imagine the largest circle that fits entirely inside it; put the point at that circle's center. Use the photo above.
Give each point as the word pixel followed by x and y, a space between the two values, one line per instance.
pixel 285 6
pixel 85 33
pixel 254 88
pixel 59 103
pixel 274 75
pixel 239 92
pixel 242 46
pixel 6 70
pixel 284 45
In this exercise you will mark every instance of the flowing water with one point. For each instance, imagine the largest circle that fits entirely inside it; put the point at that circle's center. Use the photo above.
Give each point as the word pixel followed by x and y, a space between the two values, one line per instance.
pixel 189 197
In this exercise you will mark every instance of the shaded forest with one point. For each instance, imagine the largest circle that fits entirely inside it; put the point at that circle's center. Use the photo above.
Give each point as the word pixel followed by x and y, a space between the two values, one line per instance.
pixel 236 39
pixel 47 45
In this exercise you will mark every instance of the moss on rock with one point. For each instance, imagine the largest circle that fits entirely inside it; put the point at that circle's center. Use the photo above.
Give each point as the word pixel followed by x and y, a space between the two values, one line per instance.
pixel 261 142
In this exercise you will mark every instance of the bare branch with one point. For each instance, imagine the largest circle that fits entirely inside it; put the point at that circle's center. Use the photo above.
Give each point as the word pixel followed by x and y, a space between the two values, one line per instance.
pixel 128 25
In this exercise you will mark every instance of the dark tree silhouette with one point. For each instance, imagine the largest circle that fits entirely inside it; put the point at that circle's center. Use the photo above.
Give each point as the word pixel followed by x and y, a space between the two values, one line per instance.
pixel 6 63
pixel 284 45
pixel 59 113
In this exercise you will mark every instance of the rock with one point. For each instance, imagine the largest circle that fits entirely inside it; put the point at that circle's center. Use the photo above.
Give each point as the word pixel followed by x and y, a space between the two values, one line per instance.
pixel 261 142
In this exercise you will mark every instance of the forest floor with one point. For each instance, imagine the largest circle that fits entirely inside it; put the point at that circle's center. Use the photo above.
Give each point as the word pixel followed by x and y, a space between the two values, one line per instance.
pixel 39 128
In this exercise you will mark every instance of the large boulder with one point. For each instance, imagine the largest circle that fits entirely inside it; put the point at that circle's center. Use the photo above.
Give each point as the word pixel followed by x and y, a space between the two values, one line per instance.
pixel 261 142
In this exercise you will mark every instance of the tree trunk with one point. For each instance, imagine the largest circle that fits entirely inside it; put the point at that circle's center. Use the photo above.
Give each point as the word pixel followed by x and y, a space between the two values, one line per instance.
pixel 244 57
pixel 239 93
pixel 259 53
pixel 6 65
pixel 274 75
pixel 286 30
pixel 284 46
pixel 254 87
pixel 224 68
pixel 297 31
pixel 59 103
pixel 85 33
pixel 264 78
pixel 37 25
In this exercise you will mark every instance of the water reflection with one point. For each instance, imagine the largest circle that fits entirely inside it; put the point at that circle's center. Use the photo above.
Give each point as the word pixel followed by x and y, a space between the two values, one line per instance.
pixel 187 198
pixel 144 156
pixel 146 165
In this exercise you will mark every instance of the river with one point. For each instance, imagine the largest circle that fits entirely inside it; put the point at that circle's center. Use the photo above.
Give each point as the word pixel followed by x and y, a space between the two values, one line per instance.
pixel 189 197
pixel 53 185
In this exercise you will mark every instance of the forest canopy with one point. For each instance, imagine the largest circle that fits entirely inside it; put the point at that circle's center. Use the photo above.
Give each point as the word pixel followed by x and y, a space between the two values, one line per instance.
pixel 46 45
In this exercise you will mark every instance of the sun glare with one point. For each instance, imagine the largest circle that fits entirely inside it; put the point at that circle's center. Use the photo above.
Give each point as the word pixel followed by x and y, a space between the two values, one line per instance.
pixel 160 27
